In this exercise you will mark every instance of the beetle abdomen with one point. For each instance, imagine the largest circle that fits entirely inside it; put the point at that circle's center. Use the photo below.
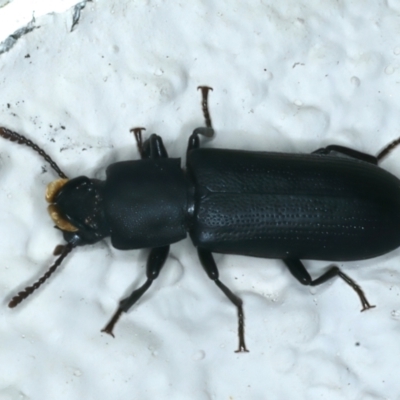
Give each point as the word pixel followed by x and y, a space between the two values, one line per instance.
pixel 303 206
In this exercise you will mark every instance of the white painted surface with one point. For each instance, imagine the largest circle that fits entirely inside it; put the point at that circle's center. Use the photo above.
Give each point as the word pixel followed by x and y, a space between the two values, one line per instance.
pixel 289 77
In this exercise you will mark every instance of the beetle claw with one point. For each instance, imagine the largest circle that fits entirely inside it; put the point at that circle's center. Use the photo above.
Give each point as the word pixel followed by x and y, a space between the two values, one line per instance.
pixel 110 326
pixel 367 307
pixel 108 330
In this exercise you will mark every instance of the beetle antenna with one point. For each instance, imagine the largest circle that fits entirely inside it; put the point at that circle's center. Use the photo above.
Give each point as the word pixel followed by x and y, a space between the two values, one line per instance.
pixel 15 137
pixel 23 294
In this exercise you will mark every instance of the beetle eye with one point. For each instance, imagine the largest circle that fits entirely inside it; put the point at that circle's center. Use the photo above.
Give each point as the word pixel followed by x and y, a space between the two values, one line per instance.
pixel 53 188
pixel 61 222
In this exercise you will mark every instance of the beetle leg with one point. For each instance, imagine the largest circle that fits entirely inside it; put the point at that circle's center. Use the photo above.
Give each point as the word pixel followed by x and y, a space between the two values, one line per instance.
pixel 298 270
pixel 155 262
pixel 138 137
pixel 208 263
pixel 153 147
pixel 204 104
pixel 388 149
pixel 207 131
pixel 347 152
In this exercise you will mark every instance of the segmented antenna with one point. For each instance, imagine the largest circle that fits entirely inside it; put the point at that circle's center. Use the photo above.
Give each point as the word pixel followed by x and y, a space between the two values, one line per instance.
pixel 23 294
pixel 15 137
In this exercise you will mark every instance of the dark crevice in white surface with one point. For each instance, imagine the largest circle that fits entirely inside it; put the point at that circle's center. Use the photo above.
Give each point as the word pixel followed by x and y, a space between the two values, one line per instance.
pixel 14 37
pixel 3 3
pixel 77 13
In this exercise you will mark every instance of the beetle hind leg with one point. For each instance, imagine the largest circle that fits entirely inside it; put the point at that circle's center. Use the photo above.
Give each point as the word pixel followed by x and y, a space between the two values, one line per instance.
pixel 298 270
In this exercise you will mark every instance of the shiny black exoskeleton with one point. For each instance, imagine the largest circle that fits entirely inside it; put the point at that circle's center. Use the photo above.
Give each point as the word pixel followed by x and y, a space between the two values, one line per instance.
pixel 335 204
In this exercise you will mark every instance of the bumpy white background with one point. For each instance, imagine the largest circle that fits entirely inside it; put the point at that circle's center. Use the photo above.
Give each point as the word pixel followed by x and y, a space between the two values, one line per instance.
pixel 293 76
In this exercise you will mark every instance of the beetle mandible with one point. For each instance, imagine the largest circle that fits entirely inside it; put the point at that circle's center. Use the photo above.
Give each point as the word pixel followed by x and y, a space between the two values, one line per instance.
pixel 334 204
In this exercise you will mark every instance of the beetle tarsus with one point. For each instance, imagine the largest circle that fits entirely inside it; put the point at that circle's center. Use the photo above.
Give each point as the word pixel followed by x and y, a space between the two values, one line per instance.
pixel 298 270
pixel 125 305
pixel 237 301
pixel 335 271
pixel 242 345
pixel 364 302
pixel 204 103
pixel 367 307
pixel 207 261
pixel 110 326
pixel 207 131
pixel 155 262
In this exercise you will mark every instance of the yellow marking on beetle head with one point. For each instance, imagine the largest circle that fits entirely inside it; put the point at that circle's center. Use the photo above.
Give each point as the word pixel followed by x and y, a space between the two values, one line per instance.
pixel 53 188
pixel 60 221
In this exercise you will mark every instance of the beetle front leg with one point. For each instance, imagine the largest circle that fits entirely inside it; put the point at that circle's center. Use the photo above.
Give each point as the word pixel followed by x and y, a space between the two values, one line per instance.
pixel 153 147
pixel 155 262
pixel 298 270
pixel 208 263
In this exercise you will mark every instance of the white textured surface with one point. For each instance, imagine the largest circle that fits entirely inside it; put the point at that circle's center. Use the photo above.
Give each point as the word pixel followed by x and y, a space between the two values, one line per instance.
pixel 290 77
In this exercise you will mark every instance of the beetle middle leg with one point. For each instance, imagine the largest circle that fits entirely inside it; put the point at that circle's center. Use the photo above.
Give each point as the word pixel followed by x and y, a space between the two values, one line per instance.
pixel 298 270
pixel 208 130
pixel 208 263
pixel 155 262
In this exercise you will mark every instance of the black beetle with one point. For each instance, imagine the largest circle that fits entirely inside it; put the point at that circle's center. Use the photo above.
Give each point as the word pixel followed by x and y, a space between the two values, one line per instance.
pixel 334 204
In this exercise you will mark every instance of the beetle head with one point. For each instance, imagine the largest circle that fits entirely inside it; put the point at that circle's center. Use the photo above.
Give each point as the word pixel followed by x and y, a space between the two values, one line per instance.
pixel 76 208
